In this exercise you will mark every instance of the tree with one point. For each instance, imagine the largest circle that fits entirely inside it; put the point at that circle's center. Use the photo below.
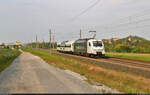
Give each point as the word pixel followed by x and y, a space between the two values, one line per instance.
pixel 122 48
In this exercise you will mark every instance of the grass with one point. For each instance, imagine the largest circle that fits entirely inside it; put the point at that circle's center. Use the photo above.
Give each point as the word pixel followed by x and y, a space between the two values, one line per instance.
pixel 122 81
pixel 6 57
pixel 134 56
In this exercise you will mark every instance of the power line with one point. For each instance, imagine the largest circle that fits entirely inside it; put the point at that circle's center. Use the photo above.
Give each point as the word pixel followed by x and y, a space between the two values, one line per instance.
pixel 131 17
pixel 133 20
pixel 130 23
pixel 86 10
pixel 128 28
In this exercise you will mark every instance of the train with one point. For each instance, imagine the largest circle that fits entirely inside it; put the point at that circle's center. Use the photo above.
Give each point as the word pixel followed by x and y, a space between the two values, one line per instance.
pixel 85 47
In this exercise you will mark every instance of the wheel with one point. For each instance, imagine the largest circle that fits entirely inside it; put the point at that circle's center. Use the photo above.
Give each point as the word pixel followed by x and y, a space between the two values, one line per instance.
pixel 103 56
pixel 91 55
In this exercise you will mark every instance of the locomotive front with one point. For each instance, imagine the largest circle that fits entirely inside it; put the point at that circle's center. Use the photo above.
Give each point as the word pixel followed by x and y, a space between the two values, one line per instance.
pixel 96 47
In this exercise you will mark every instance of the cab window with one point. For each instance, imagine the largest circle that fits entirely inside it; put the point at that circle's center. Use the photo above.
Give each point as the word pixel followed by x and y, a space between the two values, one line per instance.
pixel 97 43
pixel 89 44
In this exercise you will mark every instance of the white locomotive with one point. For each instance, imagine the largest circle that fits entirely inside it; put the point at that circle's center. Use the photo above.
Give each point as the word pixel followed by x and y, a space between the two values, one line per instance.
pixel 86 47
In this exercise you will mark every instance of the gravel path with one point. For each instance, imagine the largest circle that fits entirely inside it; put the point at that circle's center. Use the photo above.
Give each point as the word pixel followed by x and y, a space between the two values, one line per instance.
pixel 30 74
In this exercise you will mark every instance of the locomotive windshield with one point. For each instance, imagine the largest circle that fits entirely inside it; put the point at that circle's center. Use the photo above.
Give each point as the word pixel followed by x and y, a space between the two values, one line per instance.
pixel 97 43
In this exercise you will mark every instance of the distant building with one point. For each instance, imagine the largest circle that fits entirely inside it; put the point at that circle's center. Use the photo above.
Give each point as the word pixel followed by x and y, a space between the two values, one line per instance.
pixel 135 41
pixel 18 43
pixel 2 46
pixel 115 39
pixel 129 39
pixel 13 45
pixel 10 45
pixel 110 40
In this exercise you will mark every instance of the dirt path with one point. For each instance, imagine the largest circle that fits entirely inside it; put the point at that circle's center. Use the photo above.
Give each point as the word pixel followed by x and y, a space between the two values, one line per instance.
pixel 30 74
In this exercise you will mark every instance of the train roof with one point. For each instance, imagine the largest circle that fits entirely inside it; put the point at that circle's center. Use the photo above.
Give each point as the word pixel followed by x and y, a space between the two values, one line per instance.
pixel 85 38
pixel 89 39
pixel 66 43
pixel 70 42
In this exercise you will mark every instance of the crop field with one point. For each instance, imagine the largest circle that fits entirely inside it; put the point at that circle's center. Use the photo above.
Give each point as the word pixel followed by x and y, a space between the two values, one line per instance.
pixel 6 57
pixel 119 80
pixel 133 56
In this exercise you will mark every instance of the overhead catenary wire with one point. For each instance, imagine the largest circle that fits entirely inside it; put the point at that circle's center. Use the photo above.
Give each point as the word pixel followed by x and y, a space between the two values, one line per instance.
pixel 138 20
pixel 131 17
pixel 85 10
pixel 130 23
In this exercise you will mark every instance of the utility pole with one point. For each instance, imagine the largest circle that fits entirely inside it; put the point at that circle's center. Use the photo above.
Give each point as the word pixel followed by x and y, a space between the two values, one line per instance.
pixel 53 42
pixel 50 38
pixel 80 34
pixel 43 44
pixel 53 39
pixel 28 44
pixel 36 41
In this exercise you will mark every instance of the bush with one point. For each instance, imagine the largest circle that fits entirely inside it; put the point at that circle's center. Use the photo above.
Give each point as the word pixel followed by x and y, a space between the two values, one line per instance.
pixel 135 49
pixel 122 48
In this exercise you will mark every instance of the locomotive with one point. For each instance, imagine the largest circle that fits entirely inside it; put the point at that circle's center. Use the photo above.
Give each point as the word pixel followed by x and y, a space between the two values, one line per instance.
pixel 86 47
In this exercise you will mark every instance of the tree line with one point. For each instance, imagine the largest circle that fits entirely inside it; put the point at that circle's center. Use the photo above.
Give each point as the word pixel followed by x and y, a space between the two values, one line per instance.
pixel 131 44
pixel 43 45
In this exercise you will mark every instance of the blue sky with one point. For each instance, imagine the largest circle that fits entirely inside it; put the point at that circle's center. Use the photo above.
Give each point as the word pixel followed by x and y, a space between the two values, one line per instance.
pixel 21 20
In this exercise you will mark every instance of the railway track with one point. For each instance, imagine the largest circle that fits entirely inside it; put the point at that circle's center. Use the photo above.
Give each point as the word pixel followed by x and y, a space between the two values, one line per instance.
pixel 139 64
pixel 131 66
pixel 131 62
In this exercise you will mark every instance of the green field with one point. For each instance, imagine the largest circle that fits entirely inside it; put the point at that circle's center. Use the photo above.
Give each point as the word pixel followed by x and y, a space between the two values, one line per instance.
pixel 122 81
pixel 134 56
pixel 6 57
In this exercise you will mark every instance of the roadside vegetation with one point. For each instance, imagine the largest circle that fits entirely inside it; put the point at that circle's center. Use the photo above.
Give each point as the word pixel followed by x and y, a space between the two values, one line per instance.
pixel 119 80
pixel 6 57
pixel 133 56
